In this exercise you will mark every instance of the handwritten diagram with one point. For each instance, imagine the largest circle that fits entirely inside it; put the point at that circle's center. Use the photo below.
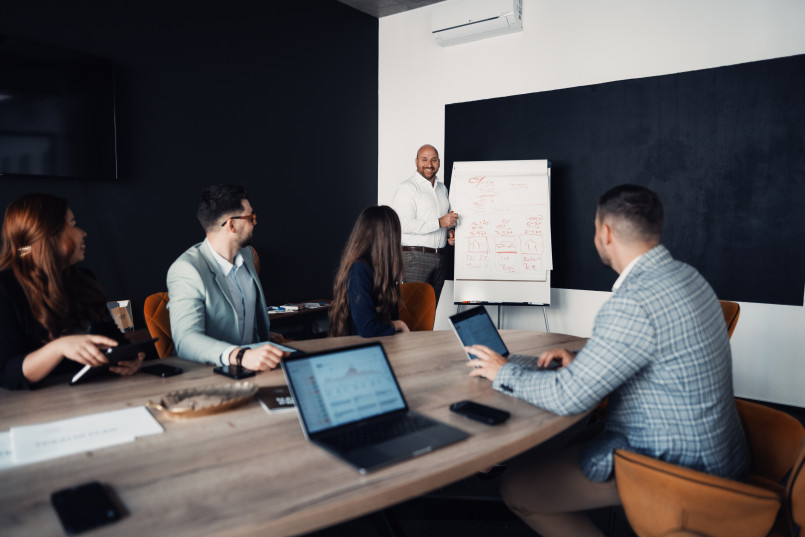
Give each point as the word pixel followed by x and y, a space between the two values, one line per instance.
pixel 503 231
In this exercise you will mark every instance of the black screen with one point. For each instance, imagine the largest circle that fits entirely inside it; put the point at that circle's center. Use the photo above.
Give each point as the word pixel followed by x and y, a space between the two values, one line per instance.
pixel 724 148
pixel 57 112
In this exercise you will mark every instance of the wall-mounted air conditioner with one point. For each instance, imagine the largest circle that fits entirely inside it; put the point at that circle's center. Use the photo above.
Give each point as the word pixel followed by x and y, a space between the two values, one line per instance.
pixel 461 21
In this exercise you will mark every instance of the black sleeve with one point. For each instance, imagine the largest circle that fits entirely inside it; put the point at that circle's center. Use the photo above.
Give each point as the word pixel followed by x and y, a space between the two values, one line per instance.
pixel 362 305
pixel 15 333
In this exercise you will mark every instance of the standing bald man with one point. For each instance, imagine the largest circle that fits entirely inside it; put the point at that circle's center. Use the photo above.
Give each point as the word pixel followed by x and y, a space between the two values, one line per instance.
pixel 427 223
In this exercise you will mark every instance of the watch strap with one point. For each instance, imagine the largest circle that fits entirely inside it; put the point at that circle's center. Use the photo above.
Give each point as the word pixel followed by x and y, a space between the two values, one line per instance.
pixel 239 356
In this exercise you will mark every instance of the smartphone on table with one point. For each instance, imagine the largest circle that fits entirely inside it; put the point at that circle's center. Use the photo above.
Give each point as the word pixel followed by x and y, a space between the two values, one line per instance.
pixel 162 370
pixel 85 507
pixel 478 412
pixel 236 372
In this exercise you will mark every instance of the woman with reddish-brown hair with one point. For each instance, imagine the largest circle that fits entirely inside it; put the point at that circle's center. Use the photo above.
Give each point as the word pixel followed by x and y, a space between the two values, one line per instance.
pixel 48 305
pixel 366 290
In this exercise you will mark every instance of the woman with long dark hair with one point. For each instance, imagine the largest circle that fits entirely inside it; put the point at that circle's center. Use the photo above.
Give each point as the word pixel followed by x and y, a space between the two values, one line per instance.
pixel 47 303
pixel 366 290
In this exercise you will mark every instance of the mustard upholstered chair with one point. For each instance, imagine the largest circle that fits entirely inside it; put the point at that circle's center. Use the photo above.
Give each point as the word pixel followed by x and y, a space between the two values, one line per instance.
pixel 662 499
pixel 256 261
pixel 158 322
pixel 417 305
pixel 774 441
pixel 794 506
pixel 731 311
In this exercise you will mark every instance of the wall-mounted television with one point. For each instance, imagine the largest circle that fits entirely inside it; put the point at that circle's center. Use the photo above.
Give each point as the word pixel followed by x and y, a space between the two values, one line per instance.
pixel 57 112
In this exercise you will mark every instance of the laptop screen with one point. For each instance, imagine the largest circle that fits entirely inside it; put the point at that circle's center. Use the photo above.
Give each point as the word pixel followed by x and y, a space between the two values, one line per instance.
pixel 343 386
pixel 474 327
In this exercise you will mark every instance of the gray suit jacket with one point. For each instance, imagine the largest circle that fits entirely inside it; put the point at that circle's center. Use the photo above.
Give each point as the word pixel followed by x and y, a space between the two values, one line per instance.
pixel 660 349
pixel 203 318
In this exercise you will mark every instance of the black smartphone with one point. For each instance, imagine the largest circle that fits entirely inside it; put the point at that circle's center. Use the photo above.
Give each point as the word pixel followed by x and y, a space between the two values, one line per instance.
pixel 479 412
pixel 162 370
pixel 234 371
pixel 85 507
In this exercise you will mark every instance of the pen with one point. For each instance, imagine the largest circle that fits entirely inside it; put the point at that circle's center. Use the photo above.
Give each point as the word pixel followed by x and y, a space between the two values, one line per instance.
pixel 80 373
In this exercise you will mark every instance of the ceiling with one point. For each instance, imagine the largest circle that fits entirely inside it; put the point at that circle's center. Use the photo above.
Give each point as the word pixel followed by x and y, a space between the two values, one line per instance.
pixel 382 8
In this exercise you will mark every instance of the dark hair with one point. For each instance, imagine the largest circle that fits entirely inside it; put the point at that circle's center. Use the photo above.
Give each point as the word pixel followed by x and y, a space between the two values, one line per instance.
pixel 636 209
pixel 375 239
pixel 220 200
pixel 60 295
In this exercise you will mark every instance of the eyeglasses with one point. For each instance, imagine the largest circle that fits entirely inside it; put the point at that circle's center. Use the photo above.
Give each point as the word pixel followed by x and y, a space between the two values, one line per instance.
pixel 252 217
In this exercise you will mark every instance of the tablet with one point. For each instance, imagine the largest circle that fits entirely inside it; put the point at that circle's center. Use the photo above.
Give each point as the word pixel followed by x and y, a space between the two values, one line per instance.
pixel 124 351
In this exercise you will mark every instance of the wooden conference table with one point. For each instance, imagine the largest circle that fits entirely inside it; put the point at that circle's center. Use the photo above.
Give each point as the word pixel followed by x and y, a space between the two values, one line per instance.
pixel 247 472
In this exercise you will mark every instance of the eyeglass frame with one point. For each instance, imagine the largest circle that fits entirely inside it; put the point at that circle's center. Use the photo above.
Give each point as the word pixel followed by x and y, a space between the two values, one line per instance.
pixel 252 217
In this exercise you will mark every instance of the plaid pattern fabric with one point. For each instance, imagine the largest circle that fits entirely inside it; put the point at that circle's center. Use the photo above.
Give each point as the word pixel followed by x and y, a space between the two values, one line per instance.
pixel 660 349
pixel 425 267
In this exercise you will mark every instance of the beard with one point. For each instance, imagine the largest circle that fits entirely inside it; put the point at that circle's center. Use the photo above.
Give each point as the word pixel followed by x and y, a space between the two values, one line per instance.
pixel 246 241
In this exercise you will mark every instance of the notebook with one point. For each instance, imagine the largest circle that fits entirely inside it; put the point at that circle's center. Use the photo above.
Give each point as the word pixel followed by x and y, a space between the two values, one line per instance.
pixel 350 403
pixel 475 327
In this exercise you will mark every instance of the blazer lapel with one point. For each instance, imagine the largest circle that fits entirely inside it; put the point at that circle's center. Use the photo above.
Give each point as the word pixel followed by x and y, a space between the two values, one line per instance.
pixel 220 280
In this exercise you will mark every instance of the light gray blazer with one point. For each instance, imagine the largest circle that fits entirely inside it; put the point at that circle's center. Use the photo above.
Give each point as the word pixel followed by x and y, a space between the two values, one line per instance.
pixel 203 318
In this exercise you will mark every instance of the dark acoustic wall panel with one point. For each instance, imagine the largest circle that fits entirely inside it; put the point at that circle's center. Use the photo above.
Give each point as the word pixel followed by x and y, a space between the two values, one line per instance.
pixel 724 148
pixel 275 96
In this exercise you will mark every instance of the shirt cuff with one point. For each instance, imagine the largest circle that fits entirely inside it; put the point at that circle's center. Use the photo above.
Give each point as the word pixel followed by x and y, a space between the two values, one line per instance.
pixel 224 358
pixel 506 378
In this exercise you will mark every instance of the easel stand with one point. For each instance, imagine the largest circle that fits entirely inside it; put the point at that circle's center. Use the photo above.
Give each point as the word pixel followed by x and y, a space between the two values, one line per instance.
pixel 500 306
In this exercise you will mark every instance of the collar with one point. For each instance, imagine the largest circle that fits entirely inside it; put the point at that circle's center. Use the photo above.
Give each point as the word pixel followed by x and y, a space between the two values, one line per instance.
pixel 225 265
pixel 425 179
pixel 626 272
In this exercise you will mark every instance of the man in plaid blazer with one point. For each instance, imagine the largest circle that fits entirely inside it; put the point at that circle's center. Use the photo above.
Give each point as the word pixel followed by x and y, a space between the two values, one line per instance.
pixel 659 350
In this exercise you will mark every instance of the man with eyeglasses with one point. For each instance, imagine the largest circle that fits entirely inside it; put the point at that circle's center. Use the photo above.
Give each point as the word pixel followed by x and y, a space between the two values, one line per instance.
pixel 216 303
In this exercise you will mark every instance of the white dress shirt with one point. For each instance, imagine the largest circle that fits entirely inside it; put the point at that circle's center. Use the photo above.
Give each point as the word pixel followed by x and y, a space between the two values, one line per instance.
pixel 419 206
pixel 244 296
pixel 625 272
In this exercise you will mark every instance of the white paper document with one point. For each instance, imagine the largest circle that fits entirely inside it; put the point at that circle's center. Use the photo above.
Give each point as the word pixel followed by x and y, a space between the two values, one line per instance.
pixel 34 443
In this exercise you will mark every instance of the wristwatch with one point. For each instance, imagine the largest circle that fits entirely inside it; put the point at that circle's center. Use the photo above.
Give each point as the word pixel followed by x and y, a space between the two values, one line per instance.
pixel 239 356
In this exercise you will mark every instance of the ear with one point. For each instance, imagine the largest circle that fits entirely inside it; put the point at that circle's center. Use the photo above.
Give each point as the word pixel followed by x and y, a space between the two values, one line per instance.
pixel 606 233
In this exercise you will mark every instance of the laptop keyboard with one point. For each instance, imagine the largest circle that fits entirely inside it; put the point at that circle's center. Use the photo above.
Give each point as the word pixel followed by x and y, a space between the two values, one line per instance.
pixel 381 431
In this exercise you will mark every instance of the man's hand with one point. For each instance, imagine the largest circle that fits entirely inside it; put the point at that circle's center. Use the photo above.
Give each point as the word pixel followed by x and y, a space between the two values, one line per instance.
pixel 451 236
pixel 448 220
pixel 262 358
pixel 561 355
pixel 487 364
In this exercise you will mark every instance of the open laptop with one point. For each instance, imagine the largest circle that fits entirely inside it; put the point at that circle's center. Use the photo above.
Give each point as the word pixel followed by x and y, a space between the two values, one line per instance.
pixel 475 327
pixel 349 403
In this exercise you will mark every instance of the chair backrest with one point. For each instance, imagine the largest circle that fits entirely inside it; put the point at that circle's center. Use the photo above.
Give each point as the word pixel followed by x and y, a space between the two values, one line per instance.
pixel 417 305
pixel 774 439
pixel 158 322
pixel 731 311
pixel 795 491
pixel 256 261
pixel 662 499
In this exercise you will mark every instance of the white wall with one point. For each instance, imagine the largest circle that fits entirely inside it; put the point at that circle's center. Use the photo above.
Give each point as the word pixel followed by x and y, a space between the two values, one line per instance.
pixel 569 43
